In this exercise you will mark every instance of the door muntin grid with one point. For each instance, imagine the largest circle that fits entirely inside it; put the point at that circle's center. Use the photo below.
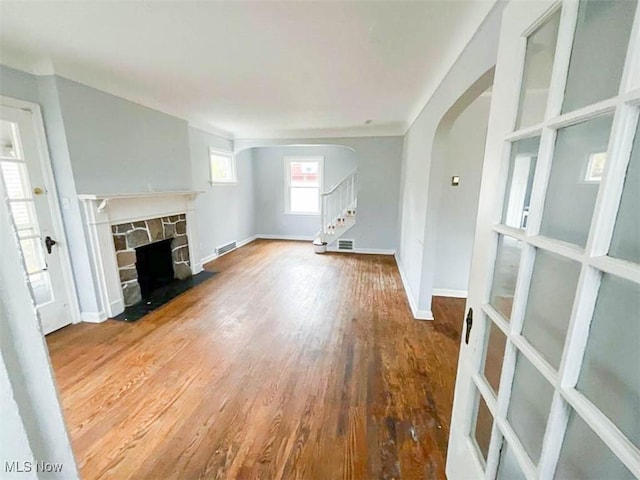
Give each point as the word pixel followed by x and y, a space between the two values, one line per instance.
pixel 568 403
pixel 15 175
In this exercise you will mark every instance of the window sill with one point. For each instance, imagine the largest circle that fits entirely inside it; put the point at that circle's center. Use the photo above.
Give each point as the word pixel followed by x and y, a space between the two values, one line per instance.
pixel 223 184
pixel 303 214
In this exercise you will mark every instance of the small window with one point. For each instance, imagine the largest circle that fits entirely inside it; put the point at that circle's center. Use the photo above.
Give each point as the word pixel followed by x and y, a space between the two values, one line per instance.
pixel 223 166
pixel 303 181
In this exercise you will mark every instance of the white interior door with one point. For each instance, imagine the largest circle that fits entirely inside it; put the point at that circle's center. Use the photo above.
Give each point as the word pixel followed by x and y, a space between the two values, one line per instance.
pixel 548 384
pixel 28 187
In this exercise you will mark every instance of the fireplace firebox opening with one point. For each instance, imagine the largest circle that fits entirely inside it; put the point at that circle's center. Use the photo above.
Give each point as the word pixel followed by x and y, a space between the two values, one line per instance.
pixel 154 265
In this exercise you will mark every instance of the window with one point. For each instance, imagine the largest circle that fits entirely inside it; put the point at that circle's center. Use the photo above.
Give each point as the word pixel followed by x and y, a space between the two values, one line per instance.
pixel 303 182
pixel 223 166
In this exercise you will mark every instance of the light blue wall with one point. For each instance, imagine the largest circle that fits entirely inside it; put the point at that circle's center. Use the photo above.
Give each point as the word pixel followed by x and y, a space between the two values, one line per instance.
pixel 117 146
pixel 269 171
pixel 17 84
pixel 421 176
pixel 378 160
pixel 86 283
pixel 225 212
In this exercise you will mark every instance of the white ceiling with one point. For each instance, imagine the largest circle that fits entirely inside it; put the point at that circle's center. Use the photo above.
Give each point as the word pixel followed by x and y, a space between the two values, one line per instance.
pixel 252 69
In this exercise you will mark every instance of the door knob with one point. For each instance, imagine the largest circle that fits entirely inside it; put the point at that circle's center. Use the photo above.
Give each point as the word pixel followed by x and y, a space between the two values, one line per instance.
pixel 469 325
pixel 49 242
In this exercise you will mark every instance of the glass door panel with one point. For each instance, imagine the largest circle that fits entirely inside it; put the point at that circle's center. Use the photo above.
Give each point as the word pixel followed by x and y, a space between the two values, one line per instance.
pixel 483 424
pixel 508 468
pixel 15 176
pixel 598 54
pixel 585 456
pixel 15 180
pixel 553 288
pixel 505 275
pixel 531 397
pixel 538 63
pixel 610 375
pixel 575 176
pixel 496 344
pixel 522 166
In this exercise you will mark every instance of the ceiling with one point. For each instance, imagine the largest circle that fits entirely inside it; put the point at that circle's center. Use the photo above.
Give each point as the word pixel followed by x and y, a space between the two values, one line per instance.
pixel 251 69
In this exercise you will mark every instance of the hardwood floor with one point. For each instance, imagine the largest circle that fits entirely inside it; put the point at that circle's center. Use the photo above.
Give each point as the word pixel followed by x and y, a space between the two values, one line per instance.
pixel 285 365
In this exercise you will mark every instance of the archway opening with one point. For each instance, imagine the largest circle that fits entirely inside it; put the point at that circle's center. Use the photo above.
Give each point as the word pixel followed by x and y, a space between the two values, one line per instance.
pixel 458 158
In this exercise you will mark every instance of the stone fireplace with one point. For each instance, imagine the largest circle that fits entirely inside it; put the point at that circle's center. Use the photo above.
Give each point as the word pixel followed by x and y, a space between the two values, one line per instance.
pixel 127 237
pixel 117 224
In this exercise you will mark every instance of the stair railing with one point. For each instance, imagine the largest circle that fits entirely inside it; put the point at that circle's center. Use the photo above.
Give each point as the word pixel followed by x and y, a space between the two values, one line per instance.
pixel 338 202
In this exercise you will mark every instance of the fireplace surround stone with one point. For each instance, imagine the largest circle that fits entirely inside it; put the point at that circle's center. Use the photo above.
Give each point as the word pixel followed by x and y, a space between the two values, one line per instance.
pixel 131 235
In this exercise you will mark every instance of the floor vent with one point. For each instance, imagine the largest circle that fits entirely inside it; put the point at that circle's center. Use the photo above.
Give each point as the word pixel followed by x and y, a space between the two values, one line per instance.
pixel 225 248
pixel 344 244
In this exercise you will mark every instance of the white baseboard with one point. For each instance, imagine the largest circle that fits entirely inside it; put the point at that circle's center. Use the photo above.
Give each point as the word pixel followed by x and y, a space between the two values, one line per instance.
pixel 196 268
pixel 246 241
pixel 423 315
pixel 93 317
pixel 301 238
pixel 208 258
pixel 364 251
pixel 447 292
pixel 417 313
pixel 115 308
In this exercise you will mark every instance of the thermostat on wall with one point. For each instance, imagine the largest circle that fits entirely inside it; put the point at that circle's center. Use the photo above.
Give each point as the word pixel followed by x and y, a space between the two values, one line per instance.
pixel 455 181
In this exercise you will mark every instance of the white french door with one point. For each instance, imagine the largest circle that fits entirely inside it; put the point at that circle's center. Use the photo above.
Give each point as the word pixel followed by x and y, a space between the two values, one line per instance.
pixel 29 191
pixel 548 382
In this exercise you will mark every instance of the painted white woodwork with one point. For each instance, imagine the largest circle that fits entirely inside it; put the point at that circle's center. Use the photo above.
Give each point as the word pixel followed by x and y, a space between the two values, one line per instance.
pixel 576 434
pixel 338 208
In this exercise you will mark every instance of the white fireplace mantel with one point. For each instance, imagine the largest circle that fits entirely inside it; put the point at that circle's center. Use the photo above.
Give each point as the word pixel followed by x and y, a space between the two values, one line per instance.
pixel 101 211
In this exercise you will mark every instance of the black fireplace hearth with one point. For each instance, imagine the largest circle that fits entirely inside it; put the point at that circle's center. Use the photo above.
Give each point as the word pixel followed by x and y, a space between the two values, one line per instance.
pixel 161 296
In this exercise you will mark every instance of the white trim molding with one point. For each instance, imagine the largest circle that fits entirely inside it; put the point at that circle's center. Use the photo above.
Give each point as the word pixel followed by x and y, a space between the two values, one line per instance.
pixel 207 259
pixel 93 317
pixel 448 292
pixel 363 251
pixel 423 315
pixel 246 241
pixel 299 238
pixel 415 311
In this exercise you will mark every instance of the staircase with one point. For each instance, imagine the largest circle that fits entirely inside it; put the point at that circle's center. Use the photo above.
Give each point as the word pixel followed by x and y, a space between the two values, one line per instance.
pixel 337 211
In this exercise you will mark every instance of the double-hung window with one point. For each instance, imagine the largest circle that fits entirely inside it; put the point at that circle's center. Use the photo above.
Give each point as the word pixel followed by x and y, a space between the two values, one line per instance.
pixel 223 166
pixel 303 184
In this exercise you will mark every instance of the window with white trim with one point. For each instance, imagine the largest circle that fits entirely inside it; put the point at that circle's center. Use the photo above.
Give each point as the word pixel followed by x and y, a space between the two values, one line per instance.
pixel 303 184
pixel 222 166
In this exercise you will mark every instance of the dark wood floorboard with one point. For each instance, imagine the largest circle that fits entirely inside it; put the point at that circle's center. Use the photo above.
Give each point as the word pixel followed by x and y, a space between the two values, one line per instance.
pixel 285 365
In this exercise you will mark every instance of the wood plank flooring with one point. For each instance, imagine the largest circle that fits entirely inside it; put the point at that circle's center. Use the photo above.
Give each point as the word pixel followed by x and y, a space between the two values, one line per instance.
pixel 286 364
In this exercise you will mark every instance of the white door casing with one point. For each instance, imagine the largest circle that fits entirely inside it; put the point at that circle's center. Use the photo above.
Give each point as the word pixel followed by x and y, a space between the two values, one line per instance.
pixel 561 369
pixel 31 192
